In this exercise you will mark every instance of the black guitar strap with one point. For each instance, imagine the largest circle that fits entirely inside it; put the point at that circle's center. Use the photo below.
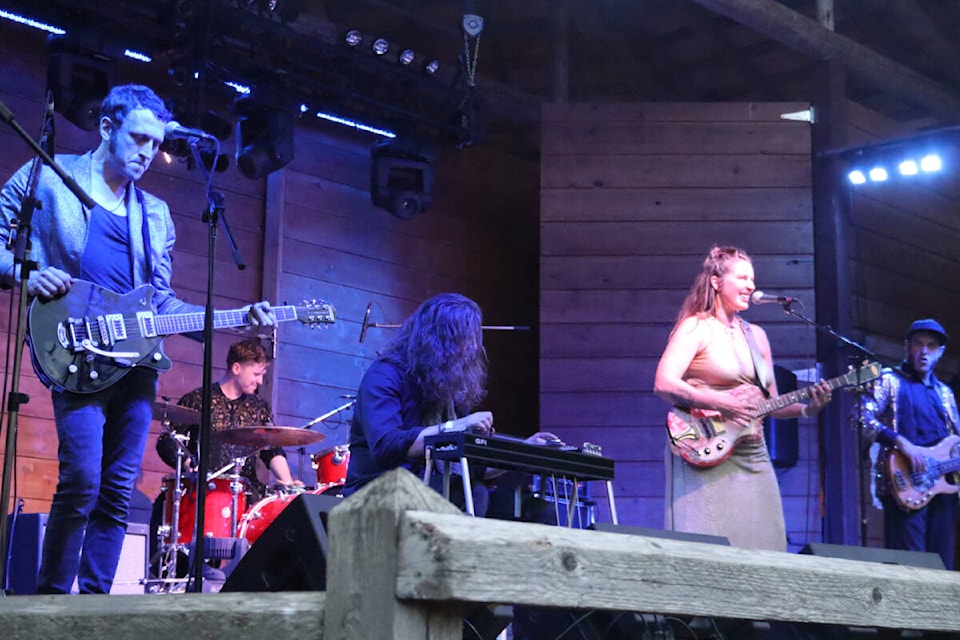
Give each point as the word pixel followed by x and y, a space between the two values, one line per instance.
pixel 145 228
pixel 759 366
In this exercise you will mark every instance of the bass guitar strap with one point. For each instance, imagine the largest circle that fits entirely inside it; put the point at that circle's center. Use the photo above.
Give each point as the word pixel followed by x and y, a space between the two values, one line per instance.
pixel 759 366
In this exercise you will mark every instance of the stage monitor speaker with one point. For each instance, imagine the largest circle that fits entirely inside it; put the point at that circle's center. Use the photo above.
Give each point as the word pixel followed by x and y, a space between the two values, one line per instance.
pixel 922 559
pixel 660 533
pixel 26 542
pixel 291 553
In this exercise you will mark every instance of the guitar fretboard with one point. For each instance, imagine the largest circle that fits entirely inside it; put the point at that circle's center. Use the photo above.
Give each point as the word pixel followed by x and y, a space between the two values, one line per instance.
pixel 170 324
pixel 868 372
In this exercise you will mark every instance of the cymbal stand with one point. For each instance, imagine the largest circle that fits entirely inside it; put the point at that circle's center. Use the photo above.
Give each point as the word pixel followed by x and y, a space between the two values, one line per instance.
pixel 167 569
pixel 236 486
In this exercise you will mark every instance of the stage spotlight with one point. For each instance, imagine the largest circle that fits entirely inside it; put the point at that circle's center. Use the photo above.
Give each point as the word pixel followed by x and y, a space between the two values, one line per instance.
pixel 878 174
pixel 381 46
pixel 78 84
pixel 931 163
pixel 401 177
pixel 856 177
pixel 909 168
pixel 264 140
pixel 354 38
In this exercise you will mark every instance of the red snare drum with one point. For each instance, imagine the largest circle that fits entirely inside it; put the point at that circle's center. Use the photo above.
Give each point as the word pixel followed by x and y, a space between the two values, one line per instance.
pixel 218 506
pixel 261 515
pixel 332 465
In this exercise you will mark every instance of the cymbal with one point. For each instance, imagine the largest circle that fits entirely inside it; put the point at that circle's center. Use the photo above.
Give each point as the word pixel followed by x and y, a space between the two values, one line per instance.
pixel 175 413
pixel 270 436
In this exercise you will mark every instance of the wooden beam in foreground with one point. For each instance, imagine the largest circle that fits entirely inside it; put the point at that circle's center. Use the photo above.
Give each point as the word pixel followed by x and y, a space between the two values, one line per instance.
pixel 402 563
pixel 210 616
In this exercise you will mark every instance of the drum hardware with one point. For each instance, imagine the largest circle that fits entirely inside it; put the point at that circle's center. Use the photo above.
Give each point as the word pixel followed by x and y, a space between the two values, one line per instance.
pixel 177 533
pixel 331 465
pixel 168 552
pixel 351 400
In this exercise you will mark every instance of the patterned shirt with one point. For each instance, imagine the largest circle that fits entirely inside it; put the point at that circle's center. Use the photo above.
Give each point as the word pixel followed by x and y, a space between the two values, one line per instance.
pixel 225 414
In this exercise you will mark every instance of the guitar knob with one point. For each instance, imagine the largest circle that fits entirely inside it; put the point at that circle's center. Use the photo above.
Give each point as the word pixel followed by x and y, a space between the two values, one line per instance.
pixel 72 368
pixel 719 446
pixel 157 356
pixel 94 375
pixel 707 451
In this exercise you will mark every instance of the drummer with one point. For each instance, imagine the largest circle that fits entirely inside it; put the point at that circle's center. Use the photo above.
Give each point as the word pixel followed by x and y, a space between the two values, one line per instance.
pixel 234 403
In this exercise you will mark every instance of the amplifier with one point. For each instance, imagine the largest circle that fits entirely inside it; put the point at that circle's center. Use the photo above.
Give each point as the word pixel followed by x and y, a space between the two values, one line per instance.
pixel 26 541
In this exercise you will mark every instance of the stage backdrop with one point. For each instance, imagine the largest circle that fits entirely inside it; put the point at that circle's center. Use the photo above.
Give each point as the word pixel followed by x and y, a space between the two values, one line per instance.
pixel 632 198
pixel 309 231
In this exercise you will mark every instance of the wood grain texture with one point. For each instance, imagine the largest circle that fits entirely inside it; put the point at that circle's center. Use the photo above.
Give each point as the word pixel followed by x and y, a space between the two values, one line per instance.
pixel 440 556
pixel 632 197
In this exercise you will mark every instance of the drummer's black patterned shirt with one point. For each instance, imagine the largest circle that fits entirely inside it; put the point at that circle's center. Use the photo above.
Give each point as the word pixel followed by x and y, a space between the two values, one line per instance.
pixel 246 411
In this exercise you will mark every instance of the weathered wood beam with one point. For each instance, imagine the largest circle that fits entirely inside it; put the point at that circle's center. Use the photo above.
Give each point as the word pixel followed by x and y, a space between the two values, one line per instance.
pixel 810 38
pixel 448 557
pixel 211 616
pixel 913 21
pixel 362 564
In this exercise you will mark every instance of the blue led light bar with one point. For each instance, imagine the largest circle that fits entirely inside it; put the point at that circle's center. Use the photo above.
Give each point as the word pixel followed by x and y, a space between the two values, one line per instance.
pixel 30 22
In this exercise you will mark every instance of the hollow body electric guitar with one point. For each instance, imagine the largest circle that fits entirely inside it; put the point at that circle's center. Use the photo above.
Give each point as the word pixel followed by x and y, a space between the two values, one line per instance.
pixel 702 438
pixel 912 490
pixel 88 339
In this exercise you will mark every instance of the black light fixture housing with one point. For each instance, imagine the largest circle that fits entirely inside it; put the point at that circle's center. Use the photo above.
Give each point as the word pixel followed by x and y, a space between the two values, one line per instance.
pixel 401 177
pixel 78 82
pixel 264 138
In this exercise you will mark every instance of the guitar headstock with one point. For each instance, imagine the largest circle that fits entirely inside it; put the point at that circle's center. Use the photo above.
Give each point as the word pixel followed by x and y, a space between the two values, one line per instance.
pixel 316 312
pixel 866 372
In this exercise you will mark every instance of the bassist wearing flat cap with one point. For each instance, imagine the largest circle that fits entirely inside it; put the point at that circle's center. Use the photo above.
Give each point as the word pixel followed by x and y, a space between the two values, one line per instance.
pixel 912 415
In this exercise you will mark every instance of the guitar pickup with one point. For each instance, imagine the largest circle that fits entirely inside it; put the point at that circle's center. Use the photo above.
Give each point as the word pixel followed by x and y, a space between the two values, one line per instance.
pixel 148 324
pixel 116 330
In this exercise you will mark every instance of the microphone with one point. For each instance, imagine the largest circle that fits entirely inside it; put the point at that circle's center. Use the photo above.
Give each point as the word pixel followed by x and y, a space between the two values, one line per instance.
pixel 759 297
pixel 366 323
pixel 173 130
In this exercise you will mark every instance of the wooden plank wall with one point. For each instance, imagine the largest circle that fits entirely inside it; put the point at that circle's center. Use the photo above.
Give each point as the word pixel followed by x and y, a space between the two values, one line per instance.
pixel 632 197
pixel 904 242
pixel 479 238
pixel 903 239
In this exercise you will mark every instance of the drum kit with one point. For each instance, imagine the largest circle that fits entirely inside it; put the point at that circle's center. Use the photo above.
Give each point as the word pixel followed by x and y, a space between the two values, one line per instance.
pixel 225 505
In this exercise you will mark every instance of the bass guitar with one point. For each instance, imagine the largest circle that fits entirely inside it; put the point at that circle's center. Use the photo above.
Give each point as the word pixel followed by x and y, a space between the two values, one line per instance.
pixel 704 439
pixel 913 490
pixel 88 339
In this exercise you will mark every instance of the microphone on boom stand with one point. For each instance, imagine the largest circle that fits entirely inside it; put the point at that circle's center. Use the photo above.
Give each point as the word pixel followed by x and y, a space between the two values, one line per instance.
pixel 380 325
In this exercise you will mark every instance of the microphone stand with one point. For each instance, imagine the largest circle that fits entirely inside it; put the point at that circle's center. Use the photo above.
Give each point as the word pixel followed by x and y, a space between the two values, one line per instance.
pixel 213 216
pixel 22 247
pixel 857 362
pixel 302 451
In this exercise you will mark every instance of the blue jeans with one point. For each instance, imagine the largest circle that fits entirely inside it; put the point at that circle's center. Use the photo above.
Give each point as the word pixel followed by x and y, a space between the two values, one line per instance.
pixel 102 437
pixel 928 529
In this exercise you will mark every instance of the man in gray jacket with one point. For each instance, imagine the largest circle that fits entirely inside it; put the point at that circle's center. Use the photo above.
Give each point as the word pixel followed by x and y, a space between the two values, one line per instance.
pixel 123 242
